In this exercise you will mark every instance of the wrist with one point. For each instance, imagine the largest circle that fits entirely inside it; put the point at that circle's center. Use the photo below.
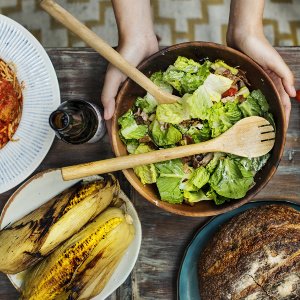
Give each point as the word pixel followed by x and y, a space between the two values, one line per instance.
pixel 237 36
pixel 146 43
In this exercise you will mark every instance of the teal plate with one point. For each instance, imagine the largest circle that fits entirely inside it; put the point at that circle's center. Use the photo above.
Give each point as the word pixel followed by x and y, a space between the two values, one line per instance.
pixel 187 283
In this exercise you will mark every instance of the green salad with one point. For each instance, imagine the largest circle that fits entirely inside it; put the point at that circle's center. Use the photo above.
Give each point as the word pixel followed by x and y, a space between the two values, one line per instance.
pixel 214 96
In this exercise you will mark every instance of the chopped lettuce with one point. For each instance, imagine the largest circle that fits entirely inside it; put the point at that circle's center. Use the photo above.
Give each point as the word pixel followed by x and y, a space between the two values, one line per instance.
pixel 211 166
pixel 164 134
pixel 170 113
pixel 220 63
pixel 186 65
pixel 168 183
pixel 168 189
pixel 199 133
pixel 147 103
pixel 131 145
pixel 218 199
pixel 228 180
pixel 260 99
pixel 199 177
pixel 173 77
pixel 255 105
pixel 198 104
pixel 157 79
pixel 170 168
pixel 251 164
pixel 250 107
pixel 147 173
pixel 129 128
pixel 222 116
pixel 186 75
pixel 197 196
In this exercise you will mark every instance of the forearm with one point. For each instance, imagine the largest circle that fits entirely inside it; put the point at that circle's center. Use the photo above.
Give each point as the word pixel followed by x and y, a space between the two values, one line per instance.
pixel 134 19
pixel 245 19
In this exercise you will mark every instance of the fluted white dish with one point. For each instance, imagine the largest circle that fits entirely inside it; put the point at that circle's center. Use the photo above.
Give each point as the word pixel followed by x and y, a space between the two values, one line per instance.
pixel 34 137
pixel 45 185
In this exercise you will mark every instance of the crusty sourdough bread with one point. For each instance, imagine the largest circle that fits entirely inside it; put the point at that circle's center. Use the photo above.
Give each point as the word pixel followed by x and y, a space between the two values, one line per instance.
pixel 256 255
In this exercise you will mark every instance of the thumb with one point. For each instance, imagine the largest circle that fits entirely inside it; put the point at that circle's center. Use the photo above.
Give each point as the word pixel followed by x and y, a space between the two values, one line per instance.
pixel 279 67
pixel 112 82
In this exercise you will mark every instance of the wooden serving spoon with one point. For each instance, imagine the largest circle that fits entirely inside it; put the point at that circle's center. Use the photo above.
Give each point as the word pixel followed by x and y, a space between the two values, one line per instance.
pixel 93 40
pixel 249 137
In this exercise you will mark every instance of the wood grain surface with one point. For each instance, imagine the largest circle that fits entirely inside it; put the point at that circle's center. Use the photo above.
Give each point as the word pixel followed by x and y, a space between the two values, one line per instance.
pixel 165 236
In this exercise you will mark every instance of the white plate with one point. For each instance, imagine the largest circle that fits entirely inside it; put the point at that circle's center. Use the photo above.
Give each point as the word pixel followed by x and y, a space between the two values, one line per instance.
pixel 41 96
pixel 42 187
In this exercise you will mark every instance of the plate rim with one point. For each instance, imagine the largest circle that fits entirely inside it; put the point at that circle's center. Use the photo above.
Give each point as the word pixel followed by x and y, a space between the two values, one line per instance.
pixel 259 202
pixel 56 98
pixel 122 194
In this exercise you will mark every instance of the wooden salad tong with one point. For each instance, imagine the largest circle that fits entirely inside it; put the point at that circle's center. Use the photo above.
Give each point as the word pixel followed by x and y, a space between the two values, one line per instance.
pixel 249 137
pixel 94 41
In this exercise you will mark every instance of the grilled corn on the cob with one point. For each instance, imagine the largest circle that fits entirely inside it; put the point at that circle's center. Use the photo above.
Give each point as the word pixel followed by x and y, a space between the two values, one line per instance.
pixel 80 267
pixel 34 236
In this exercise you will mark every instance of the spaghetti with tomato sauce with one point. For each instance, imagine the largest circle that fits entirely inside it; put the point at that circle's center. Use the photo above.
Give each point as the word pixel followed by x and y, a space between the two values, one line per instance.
pixel 11 101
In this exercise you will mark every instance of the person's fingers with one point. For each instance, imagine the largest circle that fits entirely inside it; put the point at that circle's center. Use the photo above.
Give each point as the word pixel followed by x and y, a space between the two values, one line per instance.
pixel 282 70
pixel 112 82
pixel 285 99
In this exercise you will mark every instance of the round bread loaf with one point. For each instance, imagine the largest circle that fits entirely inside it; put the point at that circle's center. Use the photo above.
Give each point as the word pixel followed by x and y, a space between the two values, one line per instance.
pixel 256 255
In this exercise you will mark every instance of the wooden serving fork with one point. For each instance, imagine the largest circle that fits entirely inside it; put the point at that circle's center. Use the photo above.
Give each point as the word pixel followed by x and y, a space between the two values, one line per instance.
pixel 249 137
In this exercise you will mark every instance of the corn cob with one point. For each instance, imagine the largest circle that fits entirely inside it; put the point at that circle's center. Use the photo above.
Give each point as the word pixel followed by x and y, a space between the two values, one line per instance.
pixel 33 237
pixel 80 267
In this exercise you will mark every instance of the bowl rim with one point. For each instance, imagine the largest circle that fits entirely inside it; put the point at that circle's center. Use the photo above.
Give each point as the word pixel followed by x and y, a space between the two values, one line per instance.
pixel 173 208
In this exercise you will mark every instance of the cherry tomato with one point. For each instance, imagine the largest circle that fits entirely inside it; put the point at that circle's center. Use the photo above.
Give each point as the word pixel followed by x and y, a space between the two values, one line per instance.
pixel 230 92
pixel 298 95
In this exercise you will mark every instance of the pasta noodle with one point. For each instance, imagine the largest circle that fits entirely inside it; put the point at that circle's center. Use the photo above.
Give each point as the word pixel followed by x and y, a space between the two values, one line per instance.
pixel 11 101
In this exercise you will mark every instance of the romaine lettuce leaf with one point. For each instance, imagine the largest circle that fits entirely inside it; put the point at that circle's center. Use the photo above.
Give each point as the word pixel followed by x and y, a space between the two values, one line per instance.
pixel 260 99
pixel 168 188
pixel 146 173
pixel 199 133
pixel 170 168
pixel 186 75
pixel 218 199
pixel 131 145
pixel 164 136
pixel 211 166
pixel 129 128
pixel 220 63
pixel 193 197
pixel 170 113
pixel 170 176
pixel 199 177
pixel 158 80
pixel 147 103
pixel 173 77
pixel 202 99
pixel 186 65
pixel 222 116
pixel 255 104
pixel 228 180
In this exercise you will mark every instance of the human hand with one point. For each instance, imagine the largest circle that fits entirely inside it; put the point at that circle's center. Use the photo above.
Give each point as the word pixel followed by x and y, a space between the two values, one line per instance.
pixel 260 50
pixel 134 51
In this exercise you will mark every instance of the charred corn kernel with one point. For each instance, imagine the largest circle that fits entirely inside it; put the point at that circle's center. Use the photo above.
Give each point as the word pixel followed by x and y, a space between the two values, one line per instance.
pixel 37 234
pixel 69 271
pixel 80 194
pixel 71 259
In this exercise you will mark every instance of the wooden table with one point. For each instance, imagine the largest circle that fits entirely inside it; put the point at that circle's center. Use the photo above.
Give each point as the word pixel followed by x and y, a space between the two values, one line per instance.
pixel 165 236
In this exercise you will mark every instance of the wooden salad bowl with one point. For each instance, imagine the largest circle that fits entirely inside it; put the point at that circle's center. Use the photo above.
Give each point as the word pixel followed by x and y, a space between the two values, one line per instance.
pixel 258 79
